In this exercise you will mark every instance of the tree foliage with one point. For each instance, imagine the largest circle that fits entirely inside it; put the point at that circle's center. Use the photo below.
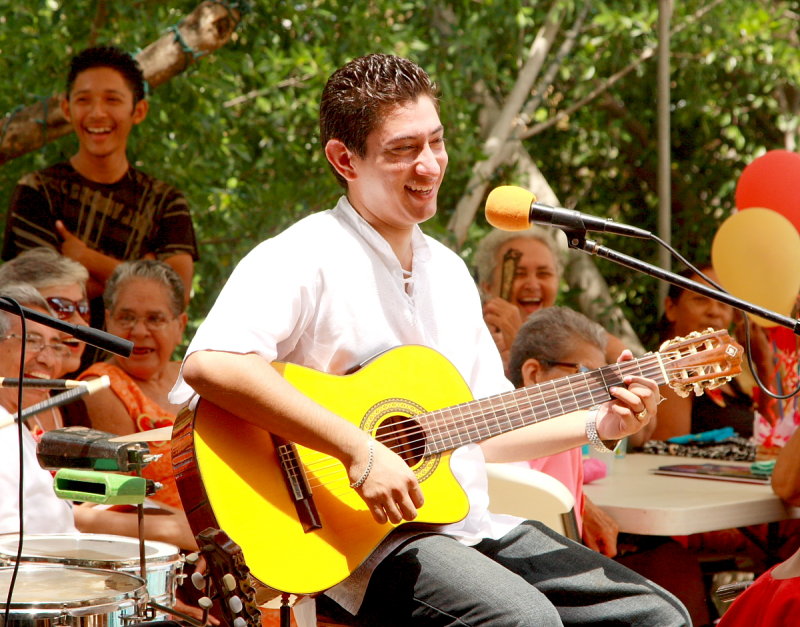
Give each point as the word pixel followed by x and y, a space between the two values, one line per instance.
pixel 238 134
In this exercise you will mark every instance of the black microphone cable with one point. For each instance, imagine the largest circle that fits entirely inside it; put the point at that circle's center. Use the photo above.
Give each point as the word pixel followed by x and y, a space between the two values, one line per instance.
pixel 21 490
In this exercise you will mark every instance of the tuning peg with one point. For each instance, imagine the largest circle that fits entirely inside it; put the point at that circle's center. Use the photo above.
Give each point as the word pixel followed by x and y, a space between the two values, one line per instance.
pixel 229 581
pixel 239 622
pixel 235 603
pixel 205 603
pixel 192 558
pixel 198 581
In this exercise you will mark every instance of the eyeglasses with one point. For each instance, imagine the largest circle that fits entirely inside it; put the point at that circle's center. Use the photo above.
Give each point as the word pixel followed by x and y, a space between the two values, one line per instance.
pixel 35 343
pixel 577 367
pixel 65 307
pixel 153 321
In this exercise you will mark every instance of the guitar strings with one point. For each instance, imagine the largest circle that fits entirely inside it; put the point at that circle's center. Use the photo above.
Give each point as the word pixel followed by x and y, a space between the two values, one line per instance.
pixel 525 400
pixel 515 403
pixel 519 407
pixel 527 404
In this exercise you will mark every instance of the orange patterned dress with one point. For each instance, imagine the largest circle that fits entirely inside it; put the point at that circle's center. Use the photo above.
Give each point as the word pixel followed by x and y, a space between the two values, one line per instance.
pixel 145 414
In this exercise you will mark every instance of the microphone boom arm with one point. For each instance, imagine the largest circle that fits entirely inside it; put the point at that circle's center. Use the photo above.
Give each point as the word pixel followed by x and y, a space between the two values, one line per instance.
pixel 578 241
pixel 95 337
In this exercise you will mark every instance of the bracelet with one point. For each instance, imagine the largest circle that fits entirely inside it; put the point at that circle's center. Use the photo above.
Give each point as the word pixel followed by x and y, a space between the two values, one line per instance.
pixel 365 474
pixel 592 435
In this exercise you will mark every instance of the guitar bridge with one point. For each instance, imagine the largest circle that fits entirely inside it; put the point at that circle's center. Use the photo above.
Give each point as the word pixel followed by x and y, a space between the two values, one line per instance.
pixel 297 483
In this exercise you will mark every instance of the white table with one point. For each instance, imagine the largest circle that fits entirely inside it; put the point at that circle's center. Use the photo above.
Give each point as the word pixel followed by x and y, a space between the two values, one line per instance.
pixel 644 503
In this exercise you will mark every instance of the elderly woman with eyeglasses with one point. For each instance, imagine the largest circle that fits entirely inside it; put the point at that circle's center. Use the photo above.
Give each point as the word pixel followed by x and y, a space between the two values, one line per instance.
pixel 62 283
pixel 144 303
pixel 519 274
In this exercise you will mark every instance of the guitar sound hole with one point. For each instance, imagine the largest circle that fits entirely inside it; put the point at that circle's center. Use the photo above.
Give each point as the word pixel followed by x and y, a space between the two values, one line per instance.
pixel 404 436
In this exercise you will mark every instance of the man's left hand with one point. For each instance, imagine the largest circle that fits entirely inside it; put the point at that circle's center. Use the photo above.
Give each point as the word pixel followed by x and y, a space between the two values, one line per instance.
pixel 634 406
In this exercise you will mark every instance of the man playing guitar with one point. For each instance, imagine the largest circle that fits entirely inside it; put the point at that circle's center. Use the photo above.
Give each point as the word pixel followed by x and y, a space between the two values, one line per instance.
pixel 344 285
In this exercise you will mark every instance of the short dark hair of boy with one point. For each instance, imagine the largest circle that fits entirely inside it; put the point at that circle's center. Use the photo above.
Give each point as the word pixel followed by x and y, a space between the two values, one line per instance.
pixel 358 95
pixel 110 57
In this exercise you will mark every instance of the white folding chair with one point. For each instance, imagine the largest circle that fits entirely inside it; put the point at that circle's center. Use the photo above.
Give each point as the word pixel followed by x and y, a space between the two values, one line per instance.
pixel 534 495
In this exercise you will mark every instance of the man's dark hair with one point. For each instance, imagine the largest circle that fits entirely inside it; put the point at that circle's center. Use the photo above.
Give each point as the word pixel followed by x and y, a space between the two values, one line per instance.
pixel 110 57
pixel 359 94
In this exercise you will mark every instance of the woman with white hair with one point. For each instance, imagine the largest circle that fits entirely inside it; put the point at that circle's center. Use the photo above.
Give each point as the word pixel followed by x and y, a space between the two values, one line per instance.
pixel 144 303
pixel 519 273
pixel 62 283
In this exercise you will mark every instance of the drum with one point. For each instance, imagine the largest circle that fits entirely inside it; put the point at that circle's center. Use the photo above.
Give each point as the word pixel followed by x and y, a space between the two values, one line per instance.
pixel 48 595
pixel 163 561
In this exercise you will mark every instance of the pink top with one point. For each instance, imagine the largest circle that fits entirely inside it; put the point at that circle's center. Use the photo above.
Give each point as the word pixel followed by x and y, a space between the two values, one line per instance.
pixel 567 467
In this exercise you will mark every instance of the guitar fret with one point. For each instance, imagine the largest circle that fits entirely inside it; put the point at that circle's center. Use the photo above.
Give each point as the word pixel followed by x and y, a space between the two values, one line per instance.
pixel 587 389
pixel 440 435
pixel 468 423
pixel 575 402
pixel 618 381
pixel 507 416
pixel 478 428
pixel 451 443
pixel 492 417
pixel 516 420
pixel 554 409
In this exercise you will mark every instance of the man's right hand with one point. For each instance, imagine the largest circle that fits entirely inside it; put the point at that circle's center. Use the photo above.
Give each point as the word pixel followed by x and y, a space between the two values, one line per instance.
pixel 391 490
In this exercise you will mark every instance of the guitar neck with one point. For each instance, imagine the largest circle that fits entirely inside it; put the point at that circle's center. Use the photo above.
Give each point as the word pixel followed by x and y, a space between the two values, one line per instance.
pixel 475 421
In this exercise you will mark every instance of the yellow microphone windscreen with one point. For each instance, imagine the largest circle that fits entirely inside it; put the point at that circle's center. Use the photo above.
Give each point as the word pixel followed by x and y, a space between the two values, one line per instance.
pixel 508 208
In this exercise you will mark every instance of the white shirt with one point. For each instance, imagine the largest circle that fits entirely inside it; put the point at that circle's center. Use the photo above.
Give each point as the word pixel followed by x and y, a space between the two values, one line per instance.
pixel 329 293
pixel 44 511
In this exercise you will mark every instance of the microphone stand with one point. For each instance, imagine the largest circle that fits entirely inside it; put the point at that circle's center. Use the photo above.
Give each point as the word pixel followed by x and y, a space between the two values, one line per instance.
pixel 577 239
pixel 95 337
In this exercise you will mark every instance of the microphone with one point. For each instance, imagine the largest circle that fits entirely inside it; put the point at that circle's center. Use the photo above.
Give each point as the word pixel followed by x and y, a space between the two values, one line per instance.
pixel 511 208
pixel 86 387
pixel 95 337
pixel 50 384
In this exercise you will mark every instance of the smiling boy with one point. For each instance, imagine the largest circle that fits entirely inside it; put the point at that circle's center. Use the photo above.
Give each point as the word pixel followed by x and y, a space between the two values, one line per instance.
pixel 96 208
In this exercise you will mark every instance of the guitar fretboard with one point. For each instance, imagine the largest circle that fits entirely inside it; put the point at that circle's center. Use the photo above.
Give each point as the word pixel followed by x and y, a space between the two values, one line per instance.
pixel 451 427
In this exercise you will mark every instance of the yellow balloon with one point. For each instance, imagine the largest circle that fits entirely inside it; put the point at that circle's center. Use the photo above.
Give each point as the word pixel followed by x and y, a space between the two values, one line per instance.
pixel 756 254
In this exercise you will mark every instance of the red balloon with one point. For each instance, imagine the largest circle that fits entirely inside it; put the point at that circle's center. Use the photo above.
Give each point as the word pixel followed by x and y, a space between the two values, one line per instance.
pixel 773 182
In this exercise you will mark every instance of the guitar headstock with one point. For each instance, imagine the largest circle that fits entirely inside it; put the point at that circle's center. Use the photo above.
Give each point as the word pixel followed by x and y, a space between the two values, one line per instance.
pixel 231 578
pixel 701 360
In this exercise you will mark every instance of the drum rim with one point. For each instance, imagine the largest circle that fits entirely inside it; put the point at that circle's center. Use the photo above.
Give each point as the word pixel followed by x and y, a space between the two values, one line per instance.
pixel 137 594
pixel 164 553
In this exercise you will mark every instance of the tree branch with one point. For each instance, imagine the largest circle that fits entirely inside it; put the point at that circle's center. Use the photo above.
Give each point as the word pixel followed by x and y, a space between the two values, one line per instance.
pixel 100 16
pixel 502 128
pixel 616 77
pixel 548 77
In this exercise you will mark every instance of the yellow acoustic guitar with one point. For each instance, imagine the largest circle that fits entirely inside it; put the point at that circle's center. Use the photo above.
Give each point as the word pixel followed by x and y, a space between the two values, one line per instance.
pixel 300 526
